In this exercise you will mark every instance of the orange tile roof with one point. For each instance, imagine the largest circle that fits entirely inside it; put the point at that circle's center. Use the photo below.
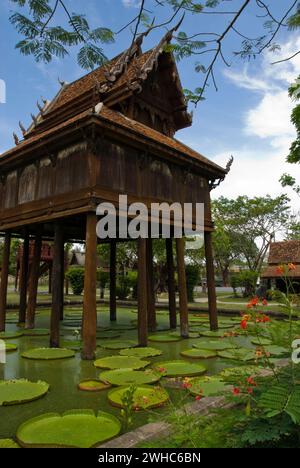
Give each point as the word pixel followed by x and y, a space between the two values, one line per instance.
pixel 114 117
pixel 271 272
pixel 284 252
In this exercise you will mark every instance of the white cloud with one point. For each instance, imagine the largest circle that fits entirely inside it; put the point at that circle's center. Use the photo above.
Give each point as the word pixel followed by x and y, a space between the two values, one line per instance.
pixel 131 3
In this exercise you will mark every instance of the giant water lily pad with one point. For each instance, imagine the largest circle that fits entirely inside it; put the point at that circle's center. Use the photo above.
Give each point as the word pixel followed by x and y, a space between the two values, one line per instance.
pixel 213 334
pixel 48 353
pixel 216 345
pixel 36 332
pixel 75 345
pixel 179 368
pixel 93 385
pixel 231 374
pixel 141 352
pixel 9 335
pixel 14 392
pixel 8 443
pixel 77 428
pixel 108 334
pixel 196 353
pixel 164 338
pixel 275 350
pixel 239 354
pixel 207 386
pixel 192 334
pixel 121 362
pixel 123 327
pixel 9 347
pixel 114 344
pixel 145 396
pixel 261 341
pixel 129 376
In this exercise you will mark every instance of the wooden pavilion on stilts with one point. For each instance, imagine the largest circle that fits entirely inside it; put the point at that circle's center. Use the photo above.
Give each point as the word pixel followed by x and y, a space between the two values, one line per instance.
pixel 109 133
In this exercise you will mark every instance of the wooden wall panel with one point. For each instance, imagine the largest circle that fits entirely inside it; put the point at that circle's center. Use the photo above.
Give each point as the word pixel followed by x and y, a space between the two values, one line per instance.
pixel 27 184
pixel 46 174
pixel 10 190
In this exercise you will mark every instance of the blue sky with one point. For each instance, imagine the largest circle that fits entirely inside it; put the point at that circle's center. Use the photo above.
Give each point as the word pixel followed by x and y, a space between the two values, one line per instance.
pixel 249 117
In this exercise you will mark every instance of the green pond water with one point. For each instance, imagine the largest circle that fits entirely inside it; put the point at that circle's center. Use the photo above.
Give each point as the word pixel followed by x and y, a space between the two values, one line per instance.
pixel 64 375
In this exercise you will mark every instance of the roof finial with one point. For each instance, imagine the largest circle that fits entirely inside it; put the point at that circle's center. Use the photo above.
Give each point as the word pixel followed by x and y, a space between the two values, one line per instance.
pixel 23 129
pixel 16 138
pixel 44 100
pixel 229 164
pixel 34 119
pixel 62 83
pixel 40 108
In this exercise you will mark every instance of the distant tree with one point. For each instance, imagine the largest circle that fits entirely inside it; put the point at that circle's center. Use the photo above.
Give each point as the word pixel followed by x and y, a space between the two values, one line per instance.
pixel 248 227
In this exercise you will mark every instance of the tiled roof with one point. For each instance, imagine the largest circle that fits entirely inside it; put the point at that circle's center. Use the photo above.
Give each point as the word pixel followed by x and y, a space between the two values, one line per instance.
pixel 96 77
pixel 114 117
pixel 271 272
pixel 284 252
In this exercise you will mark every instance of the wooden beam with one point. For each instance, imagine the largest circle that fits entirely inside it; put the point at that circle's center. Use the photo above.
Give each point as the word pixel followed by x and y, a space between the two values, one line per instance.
pixel 142 293
pixel 90 289
pixel 171 284
pixel 57 297
pixel 112 294
pixel 24 279
pixel 210 276
pixel 4 280
pixel 150 287
pixel 183 300
pixel 34 281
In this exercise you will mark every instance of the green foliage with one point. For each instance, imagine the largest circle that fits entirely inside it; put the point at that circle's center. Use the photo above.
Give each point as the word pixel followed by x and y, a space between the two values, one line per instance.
pixel 192 278
pixel 282 399
pixel 45 42
pixel 127 410
pixel 246 280
pixel 76 277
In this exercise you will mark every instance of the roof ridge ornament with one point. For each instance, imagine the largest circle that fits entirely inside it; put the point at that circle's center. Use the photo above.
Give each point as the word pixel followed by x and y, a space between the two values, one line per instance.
pixel 23 129
pixel 229 164
pixel 152 61
pixel 16 138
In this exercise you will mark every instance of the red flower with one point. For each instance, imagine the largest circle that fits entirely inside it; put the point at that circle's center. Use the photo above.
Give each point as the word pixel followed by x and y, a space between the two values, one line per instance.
pixel 265 318
pixel 186 385
pixel 198 397
pixel 264 302
pixel 291 266
pixel 249 390
pixel 244 324
pixel 251 381
pixel 280 270
pixel 236 391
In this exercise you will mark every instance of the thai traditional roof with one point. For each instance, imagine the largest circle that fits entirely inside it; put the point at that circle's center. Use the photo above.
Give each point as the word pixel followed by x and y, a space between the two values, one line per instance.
pixel 283 253
pixel 103 114
pixel 91 98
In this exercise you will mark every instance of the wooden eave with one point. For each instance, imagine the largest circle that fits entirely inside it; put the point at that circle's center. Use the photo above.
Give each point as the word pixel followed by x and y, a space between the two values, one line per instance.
pixel 56 138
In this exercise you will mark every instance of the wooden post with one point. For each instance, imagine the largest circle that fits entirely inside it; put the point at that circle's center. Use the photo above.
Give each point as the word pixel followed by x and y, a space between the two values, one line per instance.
pixel 150 287
pixel 171 284
pixel 90 289
pixel 50 278
pixel 142 293
pixel 112 294
pixel 34 281
pixel 4 280
pixel 56 286
pixel 24 279
pixel 62 278
pixel 17 276
pixel 210 275
pixel 183 301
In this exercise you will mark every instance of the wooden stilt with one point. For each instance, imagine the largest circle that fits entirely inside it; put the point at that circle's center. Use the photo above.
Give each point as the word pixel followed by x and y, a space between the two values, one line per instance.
pixel 210 275
pixel 142 293
pixel 171 284
pixel 50 279
pixel 4 280
pixel 24 279
pixel 34 281
pixel 62 278
pixel 183 301
pixel 90 289
pixel 112 295
pixel 150 288
pixel 56 286
pixel 17 276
